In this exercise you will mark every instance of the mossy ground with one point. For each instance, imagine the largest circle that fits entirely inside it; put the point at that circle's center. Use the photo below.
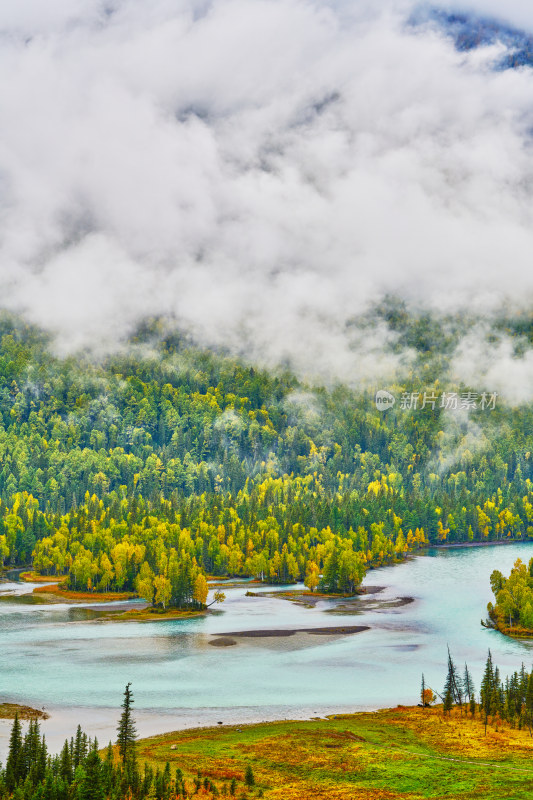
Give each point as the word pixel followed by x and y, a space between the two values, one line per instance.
pixel 36 577
pixel 153 615
pixel 62 593
pixel 8 711
pixel 386 755
pixel 58 593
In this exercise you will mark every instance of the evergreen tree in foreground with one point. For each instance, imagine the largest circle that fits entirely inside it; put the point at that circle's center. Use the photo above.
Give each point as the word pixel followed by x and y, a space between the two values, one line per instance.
pixel 127 733
pixel 469 690
pixel 487 689
pixel 249 778
pixel 91 785
pixel 14 764
pixel 453 688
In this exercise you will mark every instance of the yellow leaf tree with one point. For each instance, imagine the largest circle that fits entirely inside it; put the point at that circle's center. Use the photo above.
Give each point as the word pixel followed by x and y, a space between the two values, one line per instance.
pixel 200 590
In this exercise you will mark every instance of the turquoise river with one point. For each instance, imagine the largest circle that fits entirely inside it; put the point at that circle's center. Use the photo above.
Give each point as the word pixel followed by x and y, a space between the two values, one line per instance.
pixel 51 656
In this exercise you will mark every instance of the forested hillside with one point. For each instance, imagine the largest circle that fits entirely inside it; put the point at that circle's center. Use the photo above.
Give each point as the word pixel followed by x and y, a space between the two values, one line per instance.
pixel 150 468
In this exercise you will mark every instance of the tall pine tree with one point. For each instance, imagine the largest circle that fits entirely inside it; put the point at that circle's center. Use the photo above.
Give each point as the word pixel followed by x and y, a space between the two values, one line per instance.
pixel 487 689
pixel 453 687
pixel 15 758
pixel 127 733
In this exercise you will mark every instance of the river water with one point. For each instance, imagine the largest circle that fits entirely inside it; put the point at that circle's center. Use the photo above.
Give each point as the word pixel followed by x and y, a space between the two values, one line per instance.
pixel 50 656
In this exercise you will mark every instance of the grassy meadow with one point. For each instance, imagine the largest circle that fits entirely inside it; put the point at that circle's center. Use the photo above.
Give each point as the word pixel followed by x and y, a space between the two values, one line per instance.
pixel 385 755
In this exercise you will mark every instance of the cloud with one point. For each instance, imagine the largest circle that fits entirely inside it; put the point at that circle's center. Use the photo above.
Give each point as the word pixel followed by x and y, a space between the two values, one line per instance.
pixel 458 441
pixel 260 171
pixel 515 12
pixel 496 366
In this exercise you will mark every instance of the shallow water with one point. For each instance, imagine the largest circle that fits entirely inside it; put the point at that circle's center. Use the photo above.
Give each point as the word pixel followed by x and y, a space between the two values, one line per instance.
pixel 50 656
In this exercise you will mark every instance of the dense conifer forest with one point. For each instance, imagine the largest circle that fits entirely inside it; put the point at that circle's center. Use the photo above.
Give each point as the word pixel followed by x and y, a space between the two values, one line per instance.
pixel 79 772
pixel 162 464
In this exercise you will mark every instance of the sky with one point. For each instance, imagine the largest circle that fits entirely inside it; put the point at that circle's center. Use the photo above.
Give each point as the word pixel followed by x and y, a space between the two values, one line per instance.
pixel 262 172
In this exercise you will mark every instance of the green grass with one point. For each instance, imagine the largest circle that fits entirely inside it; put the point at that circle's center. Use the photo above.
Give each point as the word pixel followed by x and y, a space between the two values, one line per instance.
pixel 400 753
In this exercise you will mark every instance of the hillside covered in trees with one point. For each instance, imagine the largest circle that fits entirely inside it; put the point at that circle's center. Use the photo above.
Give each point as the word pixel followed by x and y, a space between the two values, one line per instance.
pixel 164 463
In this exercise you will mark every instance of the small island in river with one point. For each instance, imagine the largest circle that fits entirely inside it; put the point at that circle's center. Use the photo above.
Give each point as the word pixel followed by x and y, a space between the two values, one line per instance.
pixel 512 613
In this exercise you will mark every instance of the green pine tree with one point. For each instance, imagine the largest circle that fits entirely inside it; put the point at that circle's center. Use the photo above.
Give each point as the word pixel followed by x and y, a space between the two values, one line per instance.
pixel 15 758
pixel 249 778
pixel 453 684
pixel 127 733
pixel 91 786
pixel 108 771
pixel 486 690
pixel 448 701
pixel 529 704
pixel 469 690
pixel 65 764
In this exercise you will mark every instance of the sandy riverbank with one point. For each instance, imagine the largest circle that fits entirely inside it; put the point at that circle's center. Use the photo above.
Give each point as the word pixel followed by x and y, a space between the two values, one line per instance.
pixel 339 630
pixel 102 721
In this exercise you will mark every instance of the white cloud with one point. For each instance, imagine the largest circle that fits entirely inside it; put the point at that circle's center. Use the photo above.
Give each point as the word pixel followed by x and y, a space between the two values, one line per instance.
pixel 496 366
pixel 260 170
pixel 515 12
